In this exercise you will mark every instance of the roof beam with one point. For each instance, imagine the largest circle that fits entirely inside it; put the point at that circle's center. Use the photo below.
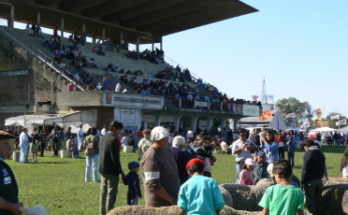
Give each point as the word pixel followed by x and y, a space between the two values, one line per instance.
pixel 182 22
pixel 109 7
pixel 183 7
pixel 143 9
pixel 78 5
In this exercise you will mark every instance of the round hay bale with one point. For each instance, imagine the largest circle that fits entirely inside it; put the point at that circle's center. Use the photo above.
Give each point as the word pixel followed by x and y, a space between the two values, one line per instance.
pixel 335 199
pixel 141 210
pixel 244 197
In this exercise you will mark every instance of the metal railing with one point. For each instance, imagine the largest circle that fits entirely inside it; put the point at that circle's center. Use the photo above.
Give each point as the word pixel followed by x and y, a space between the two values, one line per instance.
pixel 46 60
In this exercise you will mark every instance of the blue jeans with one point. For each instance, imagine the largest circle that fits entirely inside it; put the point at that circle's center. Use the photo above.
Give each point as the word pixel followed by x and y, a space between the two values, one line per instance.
pixel 92 165
pixel 23 158
pixel 239 167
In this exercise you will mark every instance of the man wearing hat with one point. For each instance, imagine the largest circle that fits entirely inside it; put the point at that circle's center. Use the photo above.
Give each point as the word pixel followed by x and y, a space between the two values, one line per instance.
pixel 9 204
pixel 161 179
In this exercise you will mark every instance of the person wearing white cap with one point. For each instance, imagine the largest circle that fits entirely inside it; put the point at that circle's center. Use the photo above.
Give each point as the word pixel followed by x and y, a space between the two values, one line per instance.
pixel 161 179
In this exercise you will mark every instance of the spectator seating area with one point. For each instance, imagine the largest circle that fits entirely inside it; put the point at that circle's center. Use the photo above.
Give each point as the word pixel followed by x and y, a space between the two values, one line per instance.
pixel 107 67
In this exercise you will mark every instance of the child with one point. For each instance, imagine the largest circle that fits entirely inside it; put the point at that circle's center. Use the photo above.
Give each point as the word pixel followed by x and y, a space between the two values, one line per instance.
pixel 200 194
pixel 282 198
pixel 72 145
pixel 344 164
pixel 260 170
pixel 132 180
pixel 246 176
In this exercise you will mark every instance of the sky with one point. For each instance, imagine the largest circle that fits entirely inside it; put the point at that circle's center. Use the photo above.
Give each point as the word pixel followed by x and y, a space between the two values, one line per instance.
pixel 300 47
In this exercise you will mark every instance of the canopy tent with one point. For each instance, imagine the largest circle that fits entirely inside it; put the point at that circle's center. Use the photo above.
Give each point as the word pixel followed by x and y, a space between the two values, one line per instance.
pixel 322 130
pixel 86 118
pixel 27 120
pixel 343 129
pixel 276 121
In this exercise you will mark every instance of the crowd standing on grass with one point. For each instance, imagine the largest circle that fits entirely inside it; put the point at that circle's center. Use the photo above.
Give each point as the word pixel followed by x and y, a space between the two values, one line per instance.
pixel 175 166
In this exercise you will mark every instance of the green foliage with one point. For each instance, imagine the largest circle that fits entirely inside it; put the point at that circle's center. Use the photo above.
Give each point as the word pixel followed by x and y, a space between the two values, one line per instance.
pixel 332 122
pixel 58 184
pixel 303 110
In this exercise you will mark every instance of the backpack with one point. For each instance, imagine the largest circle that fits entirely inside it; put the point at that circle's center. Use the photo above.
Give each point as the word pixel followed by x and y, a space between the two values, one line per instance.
pixel 89 149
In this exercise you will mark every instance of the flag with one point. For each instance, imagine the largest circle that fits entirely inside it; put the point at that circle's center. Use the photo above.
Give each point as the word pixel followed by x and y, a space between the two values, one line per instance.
pixel 317 110
pixel 337 116
pixel 291 115
pixel 267 114
pixel 305 125
pixel 341 122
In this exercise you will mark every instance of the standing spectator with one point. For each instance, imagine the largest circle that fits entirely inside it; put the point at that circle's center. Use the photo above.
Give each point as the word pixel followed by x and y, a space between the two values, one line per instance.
pixel 144 144
pixel 67 134
pixel 290 147
pixel 246 176
pixel 200 195
pixel 80 138
pixel 282 198
pixel 161 180
pixel 270 147
pixel 35 143
pixel 55 140
pixel 42 143
pixel 9 203
pixel 344 164
pixel 91 146
pixel 260 170
pixel 184 157
pixel 71 145
pixel 242 149
pixel 178 146
pixel 281 140
pixel 24 146
pixel 313 170
pixel 103 131
pixel 133 182
pixel 109 167
pixel 206 154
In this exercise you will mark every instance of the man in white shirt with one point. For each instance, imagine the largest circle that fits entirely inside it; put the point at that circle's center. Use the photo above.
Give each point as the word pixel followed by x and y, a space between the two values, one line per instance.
pixel 80 138
pixel 242 149
pixel 24 146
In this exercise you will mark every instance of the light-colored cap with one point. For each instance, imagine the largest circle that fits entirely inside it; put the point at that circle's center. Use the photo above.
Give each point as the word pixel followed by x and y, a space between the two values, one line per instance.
pixel 158 133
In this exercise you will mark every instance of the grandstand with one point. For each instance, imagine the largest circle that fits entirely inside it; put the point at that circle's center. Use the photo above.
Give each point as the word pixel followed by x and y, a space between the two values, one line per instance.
pixel 49 73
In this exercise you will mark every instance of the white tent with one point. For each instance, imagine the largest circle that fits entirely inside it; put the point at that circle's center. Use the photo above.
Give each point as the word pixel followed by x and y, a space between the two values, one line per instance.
pixel 323 130
pixel 87 118
pixel 27 120
pixel 343 129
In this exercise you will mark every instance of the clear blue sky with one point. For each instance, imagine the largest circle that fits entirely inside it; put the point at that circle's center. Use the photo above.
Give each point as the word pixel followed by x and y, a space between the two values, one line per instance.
pixel 301 47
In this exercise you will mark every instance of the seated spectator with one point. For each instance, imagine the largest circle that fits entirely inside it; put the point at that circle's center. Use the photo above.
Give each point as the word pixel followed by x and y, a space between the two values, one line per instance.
pixel 100 51
pixel 100 86
pixel 71 87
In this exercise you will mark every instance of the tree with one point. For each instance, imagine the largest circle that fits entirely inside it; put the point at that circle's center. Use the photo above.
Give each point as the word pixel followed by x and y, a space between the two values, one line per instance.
pixel 333 118
pixel 298 112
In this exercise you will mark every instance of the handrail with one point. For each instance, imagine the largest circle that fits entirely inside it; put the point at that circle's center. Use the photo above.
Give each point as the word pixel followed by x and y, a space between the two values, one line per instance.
pixel 44 58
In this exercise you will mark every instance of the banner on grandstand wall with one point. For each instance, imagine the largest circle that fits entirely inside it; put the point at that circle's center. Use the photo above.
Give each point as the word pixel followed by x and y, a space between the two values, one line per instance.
pixel 238 109
pixel 133 101
pixel 335 117
pixel 201 104
pixel 251 110
pixel 129 117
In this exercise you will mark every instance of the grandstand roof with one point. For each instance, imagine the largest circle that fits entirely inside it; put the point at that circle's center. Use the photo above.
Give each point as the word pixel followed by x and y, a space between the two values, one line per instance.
pixel 149 19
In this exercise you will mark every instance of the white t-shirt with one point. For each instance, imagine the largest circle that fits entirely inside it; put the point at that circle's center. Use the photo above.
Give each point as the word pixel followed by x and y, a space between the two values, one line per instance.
pixel 345 172
pixel 245 153
pixel 23 139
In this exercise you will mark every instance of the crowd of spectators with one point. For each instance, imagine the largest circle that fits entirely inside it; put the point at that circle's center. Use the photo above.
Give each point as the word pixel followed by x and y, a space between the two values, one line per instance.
pixel 155 57
pixel 158 87
pixel 174 74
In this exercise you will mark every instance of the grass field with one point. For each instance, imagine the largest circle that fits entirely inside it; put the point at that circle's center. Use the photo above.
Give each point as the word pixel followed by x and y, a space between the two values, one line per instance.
pixel 58 184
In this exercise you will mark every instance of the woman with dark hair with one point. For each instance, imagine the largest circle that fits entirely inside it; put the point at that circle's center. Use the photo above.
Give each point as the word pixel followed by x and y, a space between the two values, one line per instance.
pixel 270 147
pixel 344 164
pixel 91 147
